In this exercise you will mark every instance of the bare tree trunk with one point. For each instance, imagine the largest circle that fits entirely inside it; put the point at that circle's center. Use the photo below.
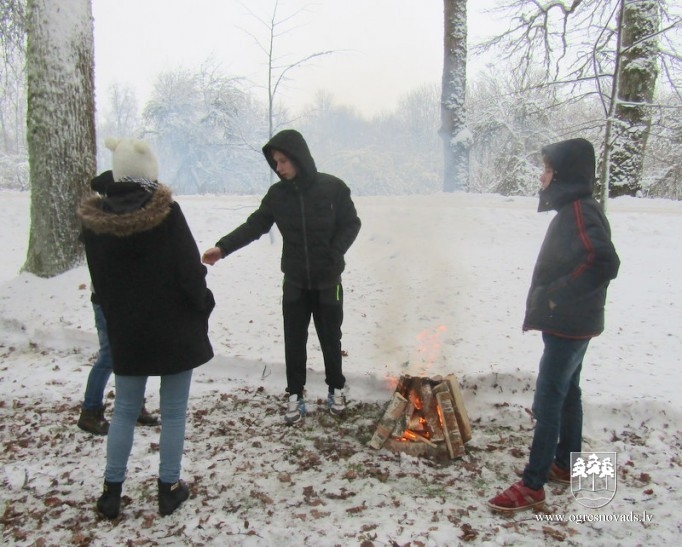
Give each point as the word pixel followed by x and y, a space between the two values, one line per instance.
pixel 61 129
pixel 453 131
pixel 12 79
pixel 629 120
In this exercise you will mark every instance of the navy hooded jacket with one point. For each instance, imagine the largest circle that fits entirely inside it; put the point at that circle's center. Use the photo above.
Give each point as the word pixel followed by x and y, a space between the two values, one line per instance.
pixel 577 258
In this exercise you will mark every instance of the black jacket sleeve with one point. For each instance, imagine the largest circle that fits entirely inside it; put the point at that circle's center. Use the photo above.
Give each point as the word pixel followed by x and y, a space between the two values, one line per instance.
pixel 258 224
pixel 347 222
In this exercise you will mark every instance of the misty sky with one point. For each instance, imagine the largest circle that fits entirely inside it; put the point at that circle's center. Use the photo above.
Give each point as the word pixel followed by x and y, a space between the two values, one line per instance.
pixel 382 48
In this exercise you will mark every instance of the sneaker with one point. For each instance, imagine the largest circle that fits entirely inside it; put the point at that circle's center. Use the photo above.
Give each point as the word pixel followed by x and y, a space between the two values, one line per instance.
pixel 517 498
pixel 557 474
pixel 109 503
pixel 171 495
pixel 145 418
pixel 93 421
pixel 336 401
pixel 295 409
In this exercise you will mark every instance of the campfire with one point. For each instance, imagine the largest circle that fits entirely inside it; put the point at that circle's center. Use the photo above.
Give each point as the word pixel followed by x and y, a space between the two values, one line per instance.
pixel 425 417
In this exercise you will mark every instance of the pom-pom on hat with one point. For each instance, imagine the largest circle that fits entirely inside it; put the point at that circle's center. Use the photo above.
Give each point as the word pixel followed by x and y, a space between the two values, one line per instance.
pixel 132 160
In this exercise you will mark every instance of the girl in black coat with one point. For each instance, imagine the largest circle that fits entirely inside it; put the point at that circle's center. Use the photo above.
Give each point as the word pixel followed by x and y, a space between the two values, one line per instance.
pixel 147 273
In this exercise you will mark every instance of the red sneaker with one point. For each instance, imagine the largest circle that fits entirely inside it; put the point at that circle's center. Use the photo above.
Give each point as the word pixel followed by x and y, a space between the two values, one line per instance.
pixel 557 474
pixel 516 498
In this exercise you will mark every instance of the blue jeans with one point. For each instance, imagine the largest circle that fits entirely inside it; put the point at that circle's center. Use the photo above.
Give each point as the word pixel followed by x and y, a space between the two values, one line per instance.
pixel 557 408
pixel 101 370
pixel 174 392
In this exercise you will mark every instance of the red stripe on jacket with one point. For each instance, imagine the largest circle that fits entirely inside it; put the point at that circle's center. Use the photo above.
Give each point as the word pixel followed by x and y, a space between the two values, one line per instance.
pixel 582 233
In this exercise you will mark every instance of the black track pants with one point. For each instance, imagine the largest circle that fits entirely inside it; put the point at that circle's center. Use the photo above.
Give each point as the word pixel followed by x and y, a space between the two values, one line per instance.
pixel 326 308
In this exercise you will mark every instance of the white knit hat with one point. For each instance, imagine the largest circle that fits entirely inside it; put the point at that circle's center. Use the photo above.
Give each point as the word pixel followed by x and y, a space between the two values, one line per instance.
pixel 132 159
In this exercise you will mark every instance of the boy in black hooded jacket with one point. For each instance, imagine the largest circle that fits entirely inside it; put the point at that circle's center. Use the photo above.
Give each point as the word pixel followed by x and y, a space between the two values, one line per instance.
pixel 316 216
pixel 566 303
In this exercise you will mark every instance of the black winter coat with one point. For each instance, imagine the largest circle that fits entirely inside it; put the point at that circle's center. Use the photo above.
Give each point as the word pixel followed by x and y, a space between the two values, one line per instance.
pixel 147 274
pixel 314 213
pixel 577 259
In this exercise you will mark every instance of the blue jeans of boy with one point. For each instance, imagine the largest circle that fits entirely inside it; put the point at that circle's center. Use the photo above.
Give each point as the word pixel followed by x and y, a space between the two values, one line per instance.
pixel 557 408
pixel 174 392
pixel 101 370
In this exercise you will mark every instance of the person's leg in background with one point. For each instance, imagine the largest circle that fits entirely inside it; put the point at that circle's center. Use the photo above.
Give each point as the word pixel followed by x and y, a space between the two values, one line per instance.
pixel 92 417
pixel 92 410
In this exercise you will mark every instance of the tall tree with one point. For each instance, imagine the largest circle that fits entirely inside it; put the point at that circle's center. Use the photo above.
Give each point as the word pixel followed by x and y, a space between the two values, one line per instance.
pixel 509 115
pixel 12 95
pixel 607 48
pixel 278 68
pixel 61 129
pixel 629 120
pixel 199 120
pixel 120 118
pixel 456 137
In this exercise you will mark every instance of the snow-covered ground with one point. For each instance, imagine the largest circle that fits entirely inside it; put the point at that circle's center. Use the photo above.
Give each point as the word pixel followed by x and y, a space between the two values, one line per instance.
pixel 434 285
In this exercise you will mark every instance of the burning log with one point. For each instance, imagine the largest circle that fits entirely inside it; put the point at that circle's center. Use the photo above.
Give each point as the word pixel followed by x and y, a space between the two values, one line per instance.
pixel 430 412
pixel 460 410
pixel 411 435
pixel 453 439
pixel 417 450
pixel 396 409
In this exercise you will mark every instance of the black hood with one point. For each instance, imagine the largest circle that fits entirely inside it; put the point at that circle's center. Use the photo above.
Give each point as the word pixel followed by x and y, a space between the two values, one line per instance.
pixel 102 182
pixel 119 197
pixel 292 144
pixel 574 163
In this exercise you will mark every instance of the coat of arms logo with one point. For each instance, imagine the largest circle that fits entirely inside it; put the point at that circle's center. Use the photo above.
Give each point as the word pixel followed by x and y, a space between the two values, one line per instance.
pixel 593 478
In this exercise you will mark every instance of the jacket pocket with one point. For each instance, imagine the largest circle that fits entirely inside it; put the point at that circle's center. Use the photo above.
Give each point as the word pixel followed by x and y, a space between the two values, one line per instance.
pixel 290 292
pixel 332 296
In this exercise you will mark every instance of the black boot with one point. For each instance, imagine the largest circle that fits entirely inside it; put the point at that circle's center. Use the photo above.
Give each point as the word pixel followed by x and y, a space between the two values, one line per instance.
pixel 109 503
pixel 93 421
pixel 171 495
pixel 145 418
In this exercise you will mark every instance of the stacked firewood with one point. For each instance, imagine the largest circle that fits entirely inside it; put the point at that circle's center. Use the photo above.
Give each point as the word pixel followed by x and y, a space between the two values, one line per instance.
pixel 428 411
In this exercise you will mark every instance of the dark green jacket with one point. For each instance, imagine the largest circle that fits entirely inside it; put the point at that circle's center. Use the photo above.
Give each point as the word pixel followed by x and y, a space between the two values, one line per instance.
pixel 314 213
pixel 577 259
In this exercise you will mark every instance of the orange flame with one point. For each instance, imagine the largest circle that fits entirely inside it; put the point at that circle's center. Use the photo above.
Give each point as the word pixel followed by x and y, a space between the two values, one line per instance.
pixel 430 345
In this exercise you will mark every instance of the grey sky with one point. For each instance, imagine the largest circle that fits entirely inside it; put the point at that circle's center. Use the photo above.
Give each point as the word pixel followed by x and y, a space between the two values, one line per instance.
pixel 383 48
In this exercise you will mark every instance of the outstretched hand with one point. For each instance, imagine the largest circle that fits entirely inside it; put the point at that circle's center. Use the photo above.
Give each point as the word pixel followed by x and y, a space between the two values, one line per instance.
pixel 212 255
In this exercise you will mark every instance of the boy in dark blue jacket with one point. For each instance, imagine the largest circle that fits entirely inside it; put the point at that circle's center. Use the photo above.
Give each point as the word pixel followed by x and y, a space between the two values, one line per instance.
pixel 566 303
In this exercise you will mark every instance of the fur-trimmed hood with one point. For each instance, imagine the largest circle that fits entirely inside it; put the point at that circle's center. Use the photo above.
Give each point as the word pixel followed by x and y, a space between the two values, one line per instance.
pixel 95 213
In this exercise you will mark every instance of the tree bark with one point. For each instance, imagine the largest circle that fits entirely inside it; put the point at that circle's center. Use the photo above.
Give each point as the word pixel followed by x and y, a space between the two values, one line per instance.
pixel 637 71
pixel 453 131
pixel 61 130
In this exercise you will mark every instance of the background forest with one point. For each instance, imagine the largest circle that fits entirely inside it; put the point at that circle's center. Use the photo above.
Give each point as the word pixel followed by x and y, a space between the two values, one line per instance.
pixel 208 125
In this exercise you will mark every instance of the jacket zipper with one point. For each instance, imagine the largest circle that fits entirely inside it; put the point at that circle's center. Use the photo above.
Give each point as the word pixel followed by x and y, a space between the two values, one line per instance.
pixel 305 239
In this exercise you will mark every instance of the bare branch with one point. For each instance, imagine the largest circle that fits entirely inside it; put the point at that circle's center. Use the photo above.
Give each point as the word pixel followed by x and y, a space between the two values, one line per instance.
pixel 287 68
